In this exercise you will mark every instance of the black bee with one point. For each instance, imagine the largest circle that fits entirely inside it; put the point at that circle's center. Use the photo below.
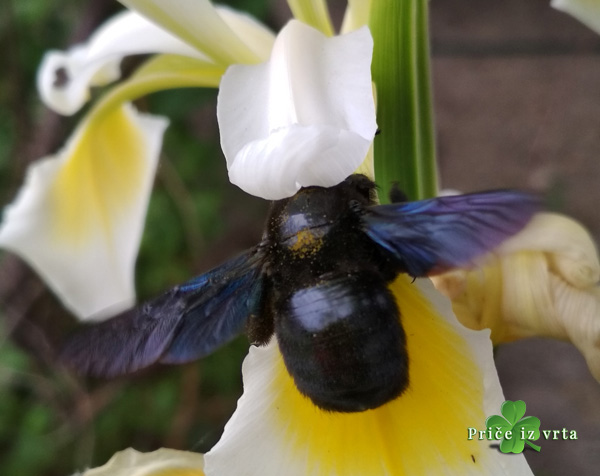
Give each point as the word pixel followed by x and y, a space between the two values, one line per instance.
pixel 318 280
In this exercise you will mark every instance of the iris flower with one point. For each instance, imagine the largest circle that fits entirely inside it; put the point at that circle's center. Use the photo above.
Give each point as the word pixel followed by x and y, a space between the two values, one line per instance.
pixel 544 281
pixel 163 462
pixel 281 129
pixel 84 208
pixel 275 430
pixel 586 11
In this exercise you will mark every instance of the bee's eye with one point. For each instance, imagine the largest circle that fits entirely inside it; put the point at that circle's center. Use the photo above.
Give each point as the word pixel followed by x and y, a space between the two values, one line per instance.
pixel 363 185
pixel 365 191
pixel 355 206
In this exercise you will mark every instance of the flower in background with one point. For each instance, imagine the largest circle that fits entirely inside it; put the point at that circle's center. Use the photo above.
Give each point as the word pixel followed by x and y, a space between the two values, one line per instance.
pixel 78 220
pixel 163 462
pixel 586 11
pixel 544 281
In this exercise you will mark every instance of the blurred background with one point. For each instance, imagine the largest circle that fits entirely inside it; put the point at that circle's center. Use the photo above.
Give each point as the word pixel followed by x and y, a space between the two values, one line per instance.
pixel 517 98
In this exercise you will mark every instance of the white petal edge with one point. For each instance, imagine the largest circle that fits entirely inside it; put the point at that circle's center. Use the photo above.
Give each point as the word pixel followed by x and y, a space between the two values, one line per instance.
pixel 586 11
pixel 95 280
pixel 295 157
pixel 310 106
pixel 131 462
pixel 249 435
pixel 64 78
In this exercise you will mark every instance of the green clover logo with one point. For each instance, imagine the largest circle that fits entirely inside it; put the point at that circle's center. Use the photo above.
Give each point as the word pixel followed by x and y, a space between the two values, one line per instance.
pixel 513 429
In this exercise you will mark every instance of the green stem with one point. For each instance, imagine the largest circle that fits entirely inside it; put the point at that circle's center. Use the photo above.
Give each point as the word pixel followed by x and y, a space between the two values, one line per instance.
pixel 535 447
pixel 405 148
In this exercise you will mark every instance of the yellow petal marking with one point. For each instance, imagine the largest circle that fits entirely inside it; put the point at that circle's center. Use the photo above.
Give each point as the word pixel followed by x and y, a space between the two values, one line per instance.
pixel 178 472
pixel 108 155
pixel 424 427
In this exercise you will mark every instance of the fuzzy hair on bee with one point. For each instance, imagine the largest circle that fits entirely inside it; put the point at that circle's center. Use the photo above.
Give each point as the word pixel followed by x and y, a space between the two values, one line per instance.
pixel 318 282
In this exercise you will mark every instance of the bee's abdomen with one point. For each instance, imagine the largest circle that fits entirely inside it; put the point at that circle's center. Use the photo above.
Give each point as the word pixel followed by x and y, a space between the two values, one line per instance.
pixel 343 343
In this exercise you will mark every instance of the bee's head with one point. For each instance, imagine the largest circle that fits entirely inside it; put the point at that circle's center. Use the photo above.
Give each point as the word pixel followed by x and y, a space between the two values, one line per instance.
pixel 318 207
pixel 334 200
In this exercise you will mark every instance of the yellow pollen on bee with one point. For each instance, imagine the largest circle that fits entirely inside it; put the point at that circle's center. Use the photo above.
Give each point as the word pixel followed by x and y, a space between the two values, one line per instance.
pixel 305 244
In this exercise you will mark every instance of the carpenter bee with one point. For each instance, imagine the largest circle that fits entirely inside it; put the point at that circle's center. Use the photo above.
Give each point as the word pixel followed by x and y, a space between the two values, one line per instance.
pixel 318 281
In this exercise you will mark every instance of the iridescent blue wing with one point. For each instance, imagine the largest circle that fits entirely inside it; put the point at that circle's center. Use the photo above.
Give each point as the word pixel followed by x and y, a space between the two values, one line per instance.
pixel 186 323
pixel 432 236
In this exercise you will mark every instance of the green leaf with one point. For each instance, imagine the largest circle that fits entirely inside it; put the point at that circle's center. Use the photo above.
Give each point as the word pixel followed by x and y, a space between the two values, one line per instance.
pixel 507 445
pixel 496 421
pixel 513 411
pixel 514 445
pixel 535 447
pixel 405 148
pixel 520 428
pixel 528 425
pixel 530 422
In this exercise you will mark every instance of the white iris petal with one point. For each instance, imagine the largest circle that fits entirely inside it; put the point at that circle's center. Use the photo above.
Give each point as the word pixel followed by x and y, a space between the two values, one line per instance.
pixel 202 25
pixel 80 239
pixel 163 461
pixel 64 78
pixel 79 217
pixel 306 117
